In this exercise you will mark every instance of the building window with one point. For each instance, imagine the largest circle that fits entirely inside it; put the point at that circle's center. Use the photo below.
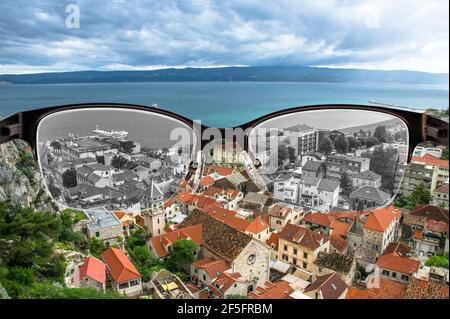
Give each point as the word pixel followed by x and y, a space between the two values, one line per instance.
pixel 385 272
pixel 305 255
pixel 405 277
pixel 285 257
pixel 394 275
pixel 305 265
pixel 295 251
pixel 285 248
pixel 204 277
pixel 97 234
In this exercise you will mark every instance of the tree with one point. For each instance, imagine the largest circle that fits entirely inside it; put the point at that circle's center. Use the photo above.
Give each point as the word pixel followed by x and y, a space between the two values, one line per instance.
pixel 438 261
pixel 341 144
pixel 69 178
pixel 119 162
pixel 182 254
pixel 334 134
pixel 56 145
pixel 46 290
pixel 127 146
pixel 383 161
pixel 419 196
pixel 445 153
pixel 27 239
pixel 291 154
pixel 400 135
pixel 96 247
pixel 283 153
pixel 326 146
pixel 371 141
pixel 381 133
pixel 352 143
pixel 346 183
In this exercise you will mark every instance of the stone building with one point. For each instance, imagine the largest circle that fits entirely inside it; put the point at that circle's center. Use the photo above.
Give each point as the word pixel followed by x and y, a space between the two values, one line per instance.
pixel 300 247
pixel 243 253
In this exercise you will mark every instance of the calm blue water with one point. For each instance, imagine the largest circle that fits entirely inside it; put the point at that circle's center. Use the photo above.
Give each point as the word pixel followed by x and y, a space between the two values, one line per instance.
pixel 221 103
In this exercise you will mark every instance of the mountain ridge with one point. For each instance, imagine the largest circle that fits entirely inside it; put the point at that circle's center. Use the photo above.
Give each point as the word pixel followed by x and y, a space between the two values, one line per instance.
pixel 230 74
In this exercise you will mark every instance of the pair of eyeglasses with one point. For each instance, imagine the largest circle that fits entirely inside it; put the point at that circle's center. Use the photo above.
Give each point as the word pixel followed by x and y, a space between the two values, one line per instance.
pixel 118 155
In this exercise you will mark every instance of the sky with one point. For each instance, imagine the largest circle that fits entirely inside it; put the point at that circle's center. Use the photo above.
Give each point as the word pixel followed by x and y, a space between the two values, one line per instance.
pixel 47 36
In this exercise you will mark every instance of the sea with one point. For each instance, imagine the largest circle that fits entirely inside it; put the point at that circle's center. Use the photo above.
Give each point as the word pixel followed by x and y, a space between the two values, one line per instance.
pixel 222 104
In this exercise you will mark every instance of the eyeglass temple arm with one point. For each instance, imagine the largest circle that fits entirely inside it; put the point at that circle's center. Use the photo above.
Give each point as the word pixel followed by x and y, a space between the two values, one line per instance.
pixel 435 129
pixel 11 128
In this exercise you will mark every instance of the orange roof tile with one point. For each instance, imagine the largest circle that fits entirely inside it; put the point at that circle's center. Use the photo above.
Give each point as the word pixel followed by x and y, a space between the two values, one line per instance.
pixel 388 290
pixel 273 240
pixel 94 269
pixel 338 242
pixel 214 268
pixel 184 197
pixel 223 171
pixel 119 266
pixel 227 216
pixel 401 264
pixel 319 219
pixel 192 232
pixel 276 290
pixel 257 225
pixel 169 202
pixel 380 219
pixel 206 181
pixel 340 228
pixel 212 191
pixel 430 160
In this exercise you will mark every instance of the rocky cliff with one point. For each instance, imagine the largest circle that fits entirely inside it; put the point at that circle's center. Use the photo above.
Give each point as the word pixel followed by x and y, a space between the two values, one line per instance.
pixel 20 179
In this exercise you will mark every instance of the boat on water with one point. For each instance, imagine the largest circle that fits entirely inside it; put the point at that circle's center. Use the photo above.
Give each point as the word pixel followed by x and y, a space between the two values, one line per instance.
pixel 110 133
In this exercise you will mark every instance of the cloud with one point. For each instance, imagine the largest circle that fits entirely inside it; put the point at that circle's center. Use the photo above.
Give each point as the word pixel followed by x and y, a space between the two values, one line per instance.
pixel 139 34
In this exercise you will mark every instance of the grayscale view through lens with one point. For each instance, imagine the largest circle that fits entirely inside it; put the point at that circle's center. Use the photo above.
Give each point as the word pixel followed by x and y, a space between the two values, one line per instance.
pixel 332 159
pixel 115 159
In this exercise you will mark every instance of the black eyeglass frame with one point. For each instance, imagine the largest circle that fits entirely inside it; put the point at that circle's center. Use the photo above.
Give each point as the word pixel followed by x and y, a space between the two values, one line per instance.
pixel 421 126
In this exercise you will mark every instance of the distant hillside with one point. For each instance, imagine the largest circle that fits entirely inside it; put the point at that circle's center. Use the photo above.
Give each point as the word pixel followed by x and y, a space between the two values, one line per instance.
pixel 251 74
pixel 371 127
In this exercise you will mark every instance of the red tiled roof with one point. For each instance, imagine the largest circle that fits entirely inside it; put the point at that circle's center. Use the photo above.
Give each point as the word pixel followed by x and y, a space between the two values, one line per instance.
pixel 331 286
pixel 169 202
pixel 119 266
pixel 273 240
pixel 223 171
pixel 340 228
pixel 140 221
pixel 184 197
pixel 380 219
pixel 388 290
pixel 94 269
pixel 120 214
pixel 227 216
pixel 272 290
pixel 395 258
pixel 338 242
pixel 422 289
pixel 319 219
pixel 442 189
pixel 192 232
pixel 257 225
pixel 224 281
pixel 302 236
pixel 430 212
pixel 430 160
pixel 213 268
pixel 206 181
pixel 212 191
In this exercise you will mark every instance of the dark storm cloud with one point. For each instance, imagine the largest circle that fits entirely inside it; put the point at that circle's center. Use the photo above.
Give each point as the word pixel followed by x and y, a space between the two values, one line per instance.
pixel 150 34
